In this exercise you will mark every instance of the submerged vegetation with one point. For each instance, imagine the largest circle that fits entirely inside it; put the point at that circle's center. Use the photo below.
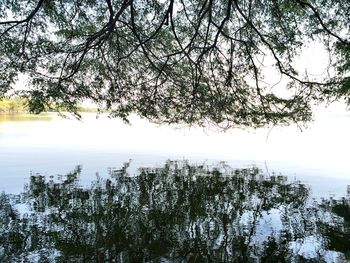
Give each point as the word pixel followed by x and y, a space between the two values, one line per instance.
pixel 176 213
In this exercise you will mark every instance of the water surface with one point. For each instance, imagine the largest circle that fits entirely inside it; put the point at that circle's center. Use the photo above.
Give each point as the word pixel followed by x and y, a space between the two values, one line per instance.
pixel 148 193
pixel 52 145
pixel 176 213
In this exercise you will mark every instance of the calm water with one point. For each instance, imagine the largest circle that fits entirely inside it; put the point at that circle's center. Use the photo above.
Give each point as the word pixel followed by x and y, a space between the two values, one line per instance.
pixel 100 190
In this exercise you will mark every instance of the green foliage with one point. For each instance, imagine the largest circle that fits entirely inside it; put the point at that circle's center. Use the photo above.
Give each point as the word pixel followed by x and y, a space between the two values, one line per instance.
pixel 12 105
pixel 192 62
pixel 20 105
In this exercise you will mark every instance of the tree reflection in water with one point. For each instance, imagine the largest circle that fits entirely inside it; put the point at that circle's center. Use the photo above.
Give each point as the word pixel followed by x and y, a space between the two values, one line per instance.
pixel 177 213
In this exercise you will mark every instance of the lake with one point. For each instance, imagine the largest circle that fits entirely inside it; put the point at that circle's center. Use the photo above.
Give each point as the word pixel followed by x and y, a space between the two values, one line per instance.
pixel 100 190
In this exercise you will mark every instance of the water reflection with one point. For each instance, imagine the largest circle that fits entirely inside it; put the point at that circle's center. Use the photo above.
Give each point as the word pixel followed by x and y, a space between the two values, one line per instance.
pixel 177 213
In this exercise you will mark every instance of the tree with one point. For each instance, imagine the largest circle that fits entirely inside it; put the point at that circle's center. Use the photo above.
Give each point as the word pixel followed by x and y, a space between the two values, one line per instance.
pixel 174 61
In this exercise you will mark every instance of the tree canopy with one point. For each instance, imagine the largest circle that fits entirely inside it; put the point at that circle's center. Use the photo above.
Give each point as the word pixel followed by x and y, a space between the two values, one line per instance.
pixel 175 61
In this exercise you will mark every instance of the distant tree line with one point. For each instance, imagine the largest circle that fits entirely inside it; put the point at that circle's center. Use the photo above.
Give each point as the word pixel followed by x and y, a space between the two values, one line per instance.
pixel 13 105
pixel 20 105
